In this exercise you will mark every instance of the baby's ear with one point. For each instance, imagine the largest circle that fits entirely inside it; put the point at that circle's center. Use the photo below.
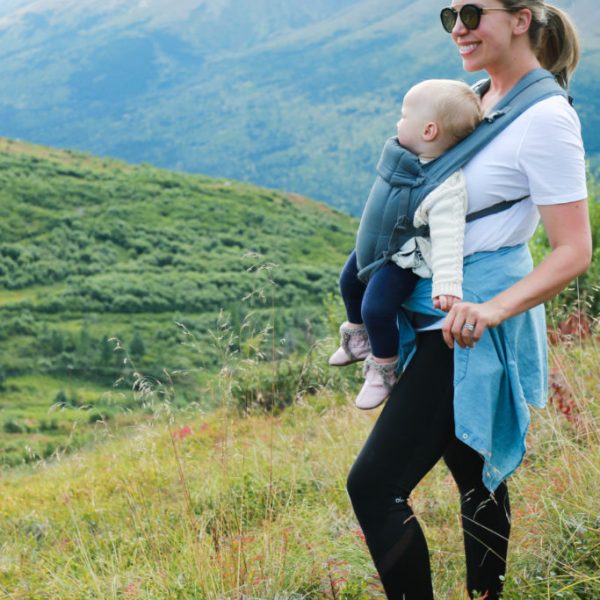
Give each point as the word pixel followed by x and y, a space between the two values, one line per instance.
pixel 430 132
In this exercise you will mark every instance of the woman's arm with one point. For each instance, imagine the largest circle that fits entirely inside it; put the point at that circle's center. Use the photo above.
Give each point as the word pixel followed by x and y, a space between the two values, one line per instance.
pixel 568 229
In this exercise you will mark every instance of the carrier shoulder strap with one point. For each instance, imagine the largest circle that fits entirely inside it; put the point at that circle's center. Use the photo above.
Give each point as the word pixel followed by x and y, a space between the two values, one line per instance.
pixel 535 86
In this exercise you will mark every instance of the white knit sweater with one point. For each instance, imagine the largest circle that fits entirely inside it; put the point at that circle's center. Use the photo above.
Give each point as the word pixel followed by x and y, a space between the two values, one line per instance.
pixel 441 255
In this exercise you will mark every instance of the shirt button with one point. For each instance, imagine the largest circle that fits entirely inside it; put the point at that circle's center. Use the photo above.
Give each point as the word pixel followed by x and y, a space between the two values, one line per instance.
pixel 465 436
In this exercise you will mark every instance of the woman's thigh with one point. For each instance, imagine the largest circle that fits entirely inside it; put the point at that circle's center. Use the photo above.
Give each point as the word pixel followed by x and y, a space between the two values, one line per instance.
pixel 414 428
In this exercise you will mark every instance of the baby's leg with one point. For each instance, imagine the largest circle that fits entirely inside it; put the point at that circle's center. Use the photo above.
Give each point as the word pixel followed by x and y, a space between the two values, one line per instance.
pixel 353 290
pixel 387 289
pixel 354 343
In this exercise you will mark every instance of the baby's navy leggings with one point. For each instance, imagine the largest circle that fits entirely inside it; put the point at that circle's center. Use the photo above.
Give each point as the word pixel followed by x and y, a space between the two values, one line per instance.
pixel 377 303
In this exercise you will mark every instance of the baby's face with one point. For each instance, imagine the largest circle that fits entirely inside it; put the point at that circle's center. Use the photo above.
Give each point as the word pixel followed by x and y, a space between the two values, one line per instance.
pixel 417 111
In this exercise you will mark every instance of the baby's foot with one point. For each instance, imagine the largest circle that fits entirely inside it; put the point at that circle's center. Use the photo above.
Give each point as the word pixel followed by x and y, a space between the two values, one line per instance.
pixel 379 381
pixel 354 346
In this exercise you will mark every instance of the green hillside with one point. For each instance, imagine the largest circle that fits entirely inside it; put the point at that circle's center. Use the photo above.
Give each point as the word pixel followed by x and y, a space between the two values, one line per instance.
pixel 95 249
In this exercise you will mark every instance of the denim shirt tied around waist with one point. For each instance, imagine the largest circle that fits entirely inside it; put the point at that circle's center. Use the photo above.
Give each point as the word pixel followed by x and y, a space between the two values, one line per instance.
pixel 506 370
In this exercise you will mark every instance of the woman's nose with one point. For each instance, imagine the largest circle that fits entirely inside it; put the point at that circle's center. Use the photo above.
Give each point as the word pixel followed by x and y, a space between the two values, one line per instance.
pixel 459 28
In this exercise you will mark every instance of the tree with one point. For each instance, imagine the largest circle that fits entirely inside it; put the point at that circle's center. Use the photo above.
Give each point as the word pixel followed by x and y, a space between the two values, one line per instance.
pixel 137 348
pixel 57 342
pixel 106 352
pixel 61 399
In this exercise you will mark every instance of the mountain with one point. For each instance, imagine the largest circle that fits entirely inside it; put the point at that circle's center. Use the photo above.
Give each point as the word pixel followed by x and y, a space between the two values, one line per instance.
pixel 292 96
pixel 177 268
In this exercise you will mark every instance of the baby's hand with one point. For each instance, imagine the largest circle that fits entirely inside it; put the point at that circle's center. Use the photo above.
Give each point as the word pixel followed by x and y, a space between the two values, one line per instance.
pixel 445 302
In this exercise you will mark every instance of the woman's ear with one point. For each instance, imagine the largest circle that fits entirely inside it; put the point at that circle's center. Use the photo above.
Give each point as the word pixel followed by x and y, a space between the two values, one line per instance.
pixel 523 21
pixel 430 132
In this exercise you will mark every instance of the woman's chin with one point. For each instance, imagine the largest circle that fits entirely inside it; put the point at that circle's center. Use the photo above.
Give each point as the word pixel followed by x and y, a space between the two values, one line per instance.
pixel 470 65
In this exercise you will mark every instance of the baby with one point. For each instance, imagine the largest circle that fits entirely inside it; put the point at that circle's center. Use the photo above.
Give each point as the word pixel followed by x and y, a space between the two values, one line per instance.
pixel 436 114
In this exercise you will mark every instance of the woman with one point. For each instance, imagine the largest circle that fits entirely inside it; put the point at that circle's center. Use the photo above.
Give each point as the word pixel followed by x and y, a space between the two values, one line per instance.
pixel 540 155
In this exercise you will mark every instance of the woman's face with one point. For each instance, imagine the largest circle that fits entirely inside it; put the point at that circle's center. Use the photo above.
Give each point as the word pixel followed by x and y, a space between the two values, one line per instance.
pixel 489 45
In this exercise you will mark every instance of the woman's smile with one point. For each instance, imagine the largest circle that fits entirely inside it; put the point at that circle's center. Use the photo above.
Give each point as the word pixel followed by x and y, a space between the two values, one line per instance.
pixel 467 48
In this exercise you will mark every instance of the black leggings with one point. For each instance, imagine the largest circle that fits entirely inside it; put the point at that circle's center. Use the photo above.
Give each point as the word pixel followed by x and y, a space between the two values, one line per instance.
pixel 414 430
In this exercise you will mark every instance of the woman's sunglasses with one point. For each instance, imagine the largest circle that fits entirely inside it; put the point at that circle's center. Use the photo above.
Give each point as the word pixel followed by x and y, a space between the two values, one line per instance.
pixel 470 16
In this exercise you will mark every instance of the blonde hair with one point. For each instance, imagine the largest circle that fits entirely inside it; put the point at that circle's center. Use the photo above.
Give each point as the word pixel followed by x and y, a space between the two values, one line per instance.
pixel 457 109
pixel 553 37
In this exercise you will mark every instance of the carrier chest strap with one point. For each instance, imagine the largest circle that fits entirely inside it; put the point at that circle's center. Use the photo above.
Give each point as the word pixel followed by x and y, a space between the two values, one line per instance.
pixel 423 231
pixel 494 208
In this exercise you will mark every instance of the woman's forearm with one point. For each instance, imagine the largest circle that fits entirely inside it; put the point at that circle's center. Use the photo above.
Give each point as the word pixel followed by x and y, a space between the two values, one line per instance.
pixel 568 229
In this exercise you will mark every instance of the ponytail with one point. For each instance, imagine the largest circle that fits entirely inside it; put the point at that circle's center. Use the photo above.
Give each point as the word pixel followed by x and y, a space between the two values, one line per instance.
pixel 553 37
pixel 558 48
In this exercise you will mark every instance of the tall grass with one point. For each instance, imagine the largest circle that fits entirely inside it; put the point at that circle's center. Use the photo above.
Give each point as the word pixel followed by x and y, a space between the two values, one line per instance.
pixel 248 500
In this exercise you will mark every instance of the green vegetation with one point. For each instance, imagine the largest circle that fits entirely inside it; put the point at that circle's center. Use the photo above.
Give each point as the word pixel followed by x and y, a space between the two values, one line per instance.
pixel 216 467
pixel 105 270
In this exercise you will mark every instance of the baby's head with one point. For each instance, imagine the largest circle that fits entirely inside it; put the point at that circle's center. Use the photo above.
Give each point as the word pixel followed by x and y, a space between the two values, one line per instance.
pixel 436 114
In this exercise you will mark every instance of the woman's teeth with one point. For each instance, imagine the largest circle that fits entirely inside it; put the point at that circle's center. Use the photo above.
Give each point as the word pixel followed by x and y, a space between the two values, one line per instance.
pixel 467 48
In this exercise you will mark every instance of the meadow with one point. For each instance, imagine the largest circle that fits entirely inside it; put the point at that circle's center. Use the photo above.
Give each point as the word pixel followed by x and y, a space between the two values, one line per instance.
pixel 249 500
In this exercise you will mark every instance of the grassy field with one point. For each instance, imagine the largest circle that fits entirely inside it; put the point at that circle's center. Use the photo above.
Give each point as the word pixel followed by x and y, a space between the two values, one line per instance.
pixel 45 416
pixel 252 504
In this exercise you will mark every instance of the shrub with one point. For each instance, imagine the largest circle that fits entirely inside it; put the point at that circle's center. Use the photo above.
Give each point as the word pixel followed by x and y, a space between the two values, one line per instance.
pixel 63 401
pixel 12 426
pixel 97 417
pixel 137 348
pixel 48 425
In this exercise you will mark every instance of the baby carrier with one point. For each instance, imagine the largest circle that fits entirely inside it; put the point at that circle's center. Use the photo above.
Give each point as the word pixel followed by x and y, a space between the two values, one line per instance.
pixel 403 182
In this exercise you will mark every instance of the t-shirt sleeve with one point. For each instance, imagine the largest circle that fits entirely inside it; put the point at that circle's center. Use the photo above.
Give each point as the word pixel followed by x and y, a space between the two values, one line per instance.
pixel 551 154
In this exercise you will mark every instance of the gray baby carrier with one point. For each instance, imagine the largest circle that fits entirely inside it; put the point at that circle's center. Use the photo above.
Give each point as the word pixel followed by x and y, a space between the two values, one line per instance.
pixel 403 182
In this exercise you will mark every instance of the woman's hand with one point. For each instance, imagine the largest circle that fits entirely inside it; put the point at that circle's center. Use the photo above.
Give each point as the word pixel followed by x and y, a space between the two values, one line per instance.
pixel 467 321
pixel 568 229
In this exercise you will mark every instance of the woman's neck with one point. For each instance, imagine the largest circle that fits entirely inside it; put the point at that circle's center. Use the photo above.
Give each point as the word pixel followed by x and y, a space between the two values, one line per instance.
pixel 504 77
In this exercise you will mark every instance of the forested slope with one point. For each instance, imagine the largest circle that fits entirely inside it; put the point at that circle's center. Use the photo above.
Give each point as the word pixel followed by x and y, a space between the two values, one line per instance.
pixel 94 249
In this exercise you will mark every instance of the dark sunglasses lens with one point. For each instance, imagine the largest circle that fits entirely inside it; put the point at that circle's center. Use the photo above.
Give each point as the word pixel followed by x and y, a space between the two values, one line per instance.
pixel 448 17
pixel 469 15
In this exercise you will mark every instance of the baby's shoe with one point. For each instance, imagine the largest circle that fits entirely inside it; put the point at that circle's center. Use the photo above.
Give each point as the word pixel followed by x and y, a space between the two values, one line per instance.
pixel 379 381
pixel 354 346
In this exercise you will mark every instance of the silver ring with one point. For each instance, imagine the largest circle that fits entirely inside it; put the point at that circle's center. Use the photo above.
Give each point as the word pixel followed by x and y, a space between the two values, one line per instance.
pixel 469 326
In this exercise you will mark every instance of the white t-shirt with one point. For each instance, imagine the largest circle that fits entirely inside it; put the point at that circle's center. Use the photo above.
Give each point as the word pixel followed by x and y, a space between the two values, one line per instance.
pixel 541 154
